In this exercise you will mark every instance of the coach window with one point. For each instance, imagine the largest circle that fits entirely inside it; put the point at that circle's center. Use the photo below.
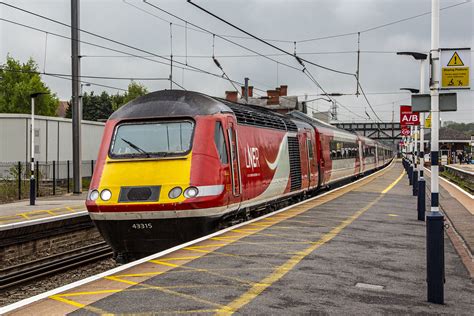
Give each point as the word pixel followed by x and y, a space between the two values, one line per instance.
pixel 219 140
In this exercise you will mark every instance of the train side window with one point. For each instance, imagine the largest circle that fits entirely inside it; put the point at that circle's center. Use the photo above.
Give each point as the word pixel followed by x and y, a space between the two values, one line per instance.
pixel 219 140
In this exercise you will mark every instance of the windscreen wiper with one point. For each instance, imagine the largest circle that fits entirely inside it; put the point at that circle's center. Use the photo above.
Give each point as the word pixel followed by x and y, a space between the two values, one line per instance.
pixel 141 150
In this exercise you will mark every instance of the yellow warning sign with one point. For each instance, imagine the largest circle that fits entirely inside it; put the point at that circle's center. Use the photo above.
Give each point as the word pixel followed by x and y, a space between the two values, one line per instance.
pixel 455 60
pixel 428 122
pixel 455 77
pixel 455 68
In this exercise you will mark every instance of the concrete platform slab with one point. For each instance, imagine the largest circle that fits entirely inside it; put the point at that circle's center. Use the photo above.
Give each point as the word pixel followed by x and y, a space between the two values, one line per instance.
pixel 307 259
pixel 46 207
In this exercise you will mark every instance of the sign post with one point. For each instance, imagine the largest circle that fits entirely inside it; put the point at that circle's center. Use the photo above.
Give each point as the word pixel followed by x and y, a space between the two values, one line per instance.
pixel 435 219
pixel 409 120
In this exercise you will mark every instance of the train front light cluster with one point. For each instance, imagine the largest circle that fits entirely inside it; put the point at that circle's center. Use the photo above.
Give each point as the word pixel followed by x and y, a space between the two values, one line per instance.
pixel 105 195
pixel 175 192
pixel 190 192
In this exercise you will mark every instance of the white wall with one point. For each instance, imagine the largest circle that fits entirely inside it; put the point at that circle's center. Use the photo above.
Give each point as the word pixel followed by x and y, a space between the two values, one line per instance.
pixel 15 138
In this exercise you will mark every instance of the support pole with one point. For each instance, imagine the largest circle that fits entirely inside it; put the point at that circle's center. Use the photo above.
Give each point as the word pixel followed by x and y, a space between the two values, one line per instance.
pixel 76 105
pixel 32 165
pixel 435 219
pixel 415 165
pixel 421 205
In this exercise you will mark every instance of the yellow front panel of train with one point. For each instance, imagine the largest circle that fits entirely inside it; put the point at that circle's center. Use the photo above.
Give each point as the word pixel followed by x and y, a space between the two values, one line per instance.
pixel 167 173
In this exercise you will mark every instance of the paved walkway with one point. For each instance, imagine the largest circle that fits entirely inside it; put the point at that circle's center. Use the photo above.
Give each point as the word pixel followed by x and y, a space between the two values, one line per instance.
pixel 357 250
pixel 45 207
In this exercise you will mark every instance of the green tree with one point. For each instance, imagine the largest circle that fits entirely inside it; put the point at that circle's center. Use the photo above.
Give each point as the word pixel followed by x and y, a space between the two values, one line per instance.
pixel 100 107
pixel 17 82
pixel 135 90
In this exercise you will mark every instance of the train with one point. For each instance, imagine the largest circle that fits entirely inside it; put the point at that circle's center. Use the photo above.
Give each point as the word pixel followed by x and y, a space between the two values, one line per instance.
pixel 175 165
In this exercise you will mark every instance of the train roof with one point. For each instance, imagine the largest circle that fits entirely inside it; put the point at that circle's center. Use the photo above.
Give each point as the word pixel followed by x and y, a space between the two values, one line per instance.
pixel 166 103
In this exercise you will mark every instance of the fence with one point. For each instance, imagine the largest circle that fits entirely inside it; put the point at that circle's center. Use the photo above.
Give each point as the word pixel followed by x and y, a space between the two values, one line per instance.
pixel 52 178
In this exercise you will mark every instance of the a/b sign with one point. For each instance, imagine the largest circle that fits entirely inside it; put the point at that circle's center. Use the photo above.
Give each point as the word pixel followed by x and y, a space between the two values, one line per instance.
pixel 455 68
pixel 407 117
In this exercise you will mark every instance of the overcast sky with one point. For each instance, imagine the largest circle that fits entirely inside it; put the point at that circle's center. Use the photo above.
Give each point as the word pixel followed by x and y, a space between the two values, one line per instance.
pixel 382 72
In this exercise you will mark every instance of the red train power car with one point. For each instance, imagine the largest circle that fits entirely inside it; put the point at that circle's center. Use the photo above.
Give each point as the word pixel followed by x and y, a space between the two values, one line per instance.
pixel 175 165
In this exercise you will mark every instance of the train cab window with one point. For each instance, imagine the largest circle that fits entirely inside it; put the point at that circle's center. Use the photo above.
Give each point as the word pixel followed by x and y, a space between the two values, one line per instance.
pixel 219 140
pixel 152 139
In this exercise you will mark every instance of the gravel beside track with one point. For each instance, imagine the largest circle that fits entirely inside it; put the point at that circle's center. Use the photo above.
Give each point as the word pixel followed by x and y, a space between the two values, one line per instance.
pixel 37 287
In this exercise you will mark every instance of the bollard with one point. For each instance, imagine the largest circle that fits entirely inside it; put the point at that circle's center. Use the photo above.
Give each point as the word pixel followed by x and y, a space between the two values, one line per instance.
pixel 435 257
pixel 415 182
pixel 421 207
pixel 410 174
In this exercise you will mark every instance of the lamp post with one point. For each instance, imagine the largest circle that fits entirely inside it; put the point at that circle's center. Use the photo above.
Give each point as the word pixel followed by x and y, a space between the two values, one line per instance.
pixel 32 166
pixel 421 186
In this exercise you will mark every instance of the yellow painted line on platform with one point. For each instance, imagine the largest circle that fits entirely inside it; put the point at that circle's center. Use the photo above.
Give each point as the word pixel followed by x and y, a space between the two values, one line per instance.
pixel 393 183
pixel 76 304
pixel 283 269
pixel 393 215
pixel 165 263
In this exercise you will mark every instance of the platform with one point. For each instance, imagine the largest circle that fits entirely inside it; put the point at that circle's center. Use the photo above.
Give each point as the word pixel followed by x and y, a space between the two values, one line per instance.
pixel 46 207
pixel 356 250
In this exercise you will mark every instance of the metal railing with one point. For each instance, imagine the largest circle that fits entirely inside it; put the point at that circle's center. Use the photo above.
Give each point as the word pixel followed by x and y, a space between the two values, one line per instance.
pixel 53 178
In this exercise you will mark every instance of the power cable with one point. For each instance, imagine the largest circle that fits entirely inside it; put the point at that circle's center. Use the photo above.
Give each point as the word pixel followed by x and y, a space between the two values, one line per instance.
pixel 368 102
pixel 62 76
pixel 379 26
pixel 219 36
pixel 198 30
pixel 190 68
pixel 266 42
pixel 250 55
pixel 87 76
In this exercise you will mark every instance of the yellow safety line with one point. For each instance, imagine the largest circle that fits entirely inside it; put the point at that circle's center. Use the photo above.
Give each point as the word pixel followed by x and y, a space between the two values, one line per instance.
pixel 76 304
pixel 278 273
pixel 86 293
pixel 393 183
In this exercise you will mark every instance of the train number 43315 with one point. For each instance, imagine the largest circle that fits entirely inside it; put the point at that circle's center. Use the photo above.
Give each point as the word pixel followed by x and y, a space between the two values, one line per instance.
pixel 142 226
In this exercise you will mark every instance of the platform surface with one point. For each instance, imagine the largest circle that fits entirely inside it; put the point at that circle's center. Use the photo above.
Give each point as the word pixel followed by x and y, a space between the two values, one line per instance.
pixel 357 250
pixel 466 167
pixel 44 207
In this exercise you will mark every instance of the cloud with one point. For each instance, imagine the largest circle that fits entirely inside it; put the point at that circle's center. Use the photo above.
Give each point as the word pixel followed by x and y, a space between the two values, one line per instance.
pixel 287 20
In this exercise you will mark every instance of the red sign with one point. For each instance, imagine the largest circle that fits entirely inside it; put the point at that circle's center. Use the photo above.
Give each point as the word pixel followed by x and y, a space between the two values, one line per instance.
pixel 405 131
pixel 407 117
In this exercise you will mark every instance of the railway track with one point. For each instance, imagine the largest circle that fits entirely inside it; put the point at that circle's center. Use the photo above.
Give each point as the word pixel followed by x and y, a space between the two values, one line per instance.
pixel 34 270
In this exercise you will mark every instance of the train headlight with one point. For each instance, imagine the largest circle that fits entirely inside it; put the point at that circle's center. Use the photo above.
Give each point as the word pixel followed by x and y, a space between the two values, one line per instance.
pixel 191 192
pixel 105 195
pixel 94 195
pixel 175 192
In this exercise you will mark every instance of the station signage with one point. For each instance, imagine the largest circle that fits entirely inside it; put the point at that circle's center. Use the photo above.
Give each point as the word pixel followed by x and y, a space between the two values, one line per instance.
pixel 455 66
pixel 405 131
pixel 407 117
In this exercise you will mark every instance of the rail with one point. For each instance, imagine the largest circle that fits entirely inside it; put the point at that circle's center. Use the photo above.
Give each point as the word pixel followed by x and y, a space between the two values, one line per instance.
pixel 34 270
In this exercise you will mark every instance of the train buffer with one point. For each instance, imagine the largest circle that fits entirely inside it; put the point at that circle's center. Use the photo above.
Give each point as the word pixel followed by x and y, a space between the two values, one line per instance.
pixel 357 249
